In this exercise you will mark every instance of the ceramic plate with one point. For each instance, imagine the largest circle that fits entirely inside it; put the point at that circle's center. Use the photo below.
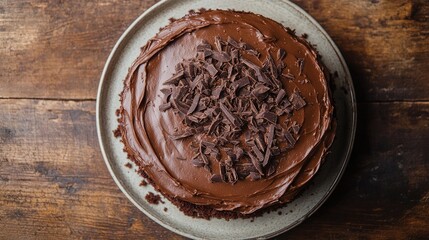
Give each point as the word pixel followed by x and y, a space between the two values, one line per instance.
pixel 126 51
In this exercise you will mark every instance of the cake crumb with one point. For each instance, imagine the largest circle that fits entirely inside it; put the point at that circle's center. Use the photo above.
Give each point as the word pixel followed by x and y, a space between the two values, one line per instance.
pixel 153 198
pixel 128 165
pixel 143 183
pixel 280 212
pixel 165 209
pixel 117 132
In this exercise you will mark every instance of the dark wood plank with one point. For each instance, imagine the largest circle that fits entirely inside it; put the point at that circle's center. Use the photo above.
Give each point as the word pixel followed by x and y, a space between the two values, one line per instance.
pixel 384 43
pixel 54 182
pixel 384 193
pixel 60 48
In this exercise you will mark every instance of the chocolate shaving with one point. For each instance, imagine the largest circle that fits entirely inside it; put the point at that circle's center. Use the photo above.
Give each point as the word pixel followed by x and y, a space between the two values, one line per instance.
pixel 300 63
pixel 204 158
pixel 216 92
pixel 297 101
pixel 266 157
pixel 233 177
pixel 230 68
pixel 207 53
pixel 223 172
pixel 262 77
pixel 190 70
pixel 280 96
pixel 211 69
pixel 258 153
pixel 295 128
pixel 230 116
pixel 208 144
pixel 280 68
pixel 216 178
pixel 271 169
pixel 175 78
pixel 182 107
pixel 281 53
pixel 197 80
pixel 251 65
pixel 183 135
pixel 270 138
pixel 260 91
pixel 253 52
pixel 250 50
pixel 259 140
pixel 194 104
pixel 273 69
pixel 218 44
pixel 166 91
pixel 179 92
pixel 256 163
pixel 221 56
pixel 213 125
pixel 178 67
pixel 164 107
pixel 291 140
pixel 270 117
pixel 268 39
pixel 253 107
pixel 242 82
pixel 203 47
pixel 232 42
pixel 270 135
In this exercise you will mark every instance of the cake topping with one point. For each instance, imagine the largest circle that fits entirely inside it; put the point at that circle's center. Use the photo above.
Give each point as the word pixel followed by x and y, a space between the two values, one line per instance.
pixel 223 96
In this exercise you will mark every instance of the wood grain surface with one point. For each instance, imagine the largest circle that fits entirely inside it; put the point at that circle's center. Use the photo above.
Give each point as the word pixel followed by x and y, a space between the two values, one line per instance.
pixel 54 183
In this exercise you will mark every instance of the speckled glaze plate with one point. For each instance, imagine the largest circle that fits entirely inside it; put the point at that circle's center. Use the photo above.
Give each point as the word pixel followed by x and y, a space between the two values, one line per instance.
pixel 126 51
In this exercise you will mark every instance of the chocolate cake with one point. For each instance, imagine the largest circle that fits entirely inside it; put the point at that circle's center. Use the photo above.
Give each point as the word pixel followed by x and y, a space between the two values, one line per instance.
pixel 227 113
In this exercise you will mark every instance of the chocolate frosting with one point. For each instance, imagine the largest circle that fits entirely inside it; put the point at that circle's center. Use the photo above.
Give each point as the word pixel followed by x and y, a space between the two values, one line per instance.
pixel 146 131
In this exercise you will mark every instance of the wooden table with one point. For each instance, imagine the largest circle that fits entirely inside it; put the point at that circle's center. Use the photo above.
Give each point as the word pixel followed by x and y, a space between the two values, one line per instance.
pixel 53 180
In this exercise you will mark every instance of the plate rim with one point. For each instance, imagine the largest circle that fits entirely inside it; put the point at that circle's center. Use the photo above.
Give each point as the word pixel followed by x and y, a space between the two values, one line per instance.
pixel 348 79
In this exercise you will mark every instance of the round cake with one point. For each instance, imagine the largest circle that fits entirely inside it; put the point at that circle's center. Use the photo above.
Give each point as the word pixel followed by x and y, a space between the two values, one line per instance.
pixel 227 113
